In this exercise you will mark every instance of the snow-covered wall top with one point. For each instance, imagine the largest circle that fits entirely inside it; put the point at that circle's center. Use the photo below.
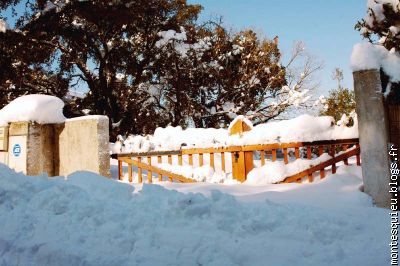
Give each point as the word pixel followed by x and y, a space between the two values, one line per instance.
pixel 367 56
pixel 302 128
pixel 43 109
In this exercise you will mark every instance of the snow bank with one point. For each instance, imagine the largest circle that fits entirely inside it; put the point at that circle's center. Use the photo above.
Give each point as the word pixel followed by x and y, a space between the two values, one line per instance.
pixel 43 109
pixel 90 220
pixel 274 172
pixel 302 128
pixel 367 56
pixel 203 173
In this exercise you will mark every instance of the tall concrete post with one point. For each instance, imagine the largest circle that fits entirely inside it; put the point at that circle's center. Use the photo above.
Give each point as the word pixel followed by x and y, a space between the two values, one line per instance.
pixel 374 137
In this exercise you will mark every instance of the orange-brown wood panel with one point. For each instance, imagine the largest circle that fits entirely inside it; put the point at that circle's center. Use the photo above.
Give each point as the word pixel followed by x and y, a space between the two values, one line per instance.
pixel 201 159
pixel 310 175
pixel 262 157
pixel 130 173
pixel 274 155
pixel 297 152
pixel 223 161
pixel 320 152
pixel 171 176
pixel 318 167
pixel 238 166
pixel 191 159
pixel 332 153
pixel 159 160
pixel 344 148
pixel 140 177
pixel 248 163
pixel 149 173
pixel 309 152
pixel 212 163
pixel 285 156
pixel 120 174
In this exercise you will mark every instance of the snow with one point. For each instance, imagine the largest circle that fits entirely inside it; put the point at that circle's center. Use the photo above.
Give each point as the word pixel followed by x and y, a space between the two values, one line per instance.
pixel 274 172
pixel 87 219
pixel 3 26
pixel 43 109
pixel 367 56
pixel 88 117
pixel 203 173
pixel 167 36
pixel 301 128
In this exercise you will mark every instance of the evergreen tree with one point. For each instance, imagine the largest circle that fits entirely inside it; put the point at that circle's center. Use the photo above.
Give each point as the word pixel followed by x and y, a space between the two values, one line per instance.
pixel 341 101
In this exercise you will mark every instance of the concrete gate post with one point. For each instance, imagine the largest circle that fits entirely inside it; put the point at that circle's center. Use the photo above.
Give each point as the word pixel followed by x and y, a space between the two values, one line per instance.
pixel 374 137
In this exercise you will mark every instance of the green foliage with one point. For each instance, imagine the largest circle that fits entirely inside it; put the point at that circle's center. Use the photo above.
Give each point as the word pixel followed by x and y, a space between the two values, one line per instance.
pixel 340 101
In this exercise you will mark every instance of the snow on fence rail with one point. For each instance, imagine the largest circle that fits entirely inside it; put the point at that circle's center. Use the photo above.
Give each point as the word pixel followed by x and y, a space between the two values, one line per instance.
pixel 239 160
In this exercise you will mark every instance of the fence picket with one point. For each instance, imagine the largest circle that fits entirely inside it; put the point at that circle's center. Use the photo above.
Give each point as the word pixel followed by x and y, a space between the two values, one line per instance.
pixel 212 164
pixel 223 161
pixel 140 177
pixel 159 160
pixel 262 152
pixel 149 173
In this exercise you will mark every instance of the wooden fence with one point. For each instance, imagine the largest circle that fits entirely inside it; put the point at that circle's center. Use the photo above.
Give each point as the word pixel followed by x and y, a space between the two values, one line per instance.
pixel 242 159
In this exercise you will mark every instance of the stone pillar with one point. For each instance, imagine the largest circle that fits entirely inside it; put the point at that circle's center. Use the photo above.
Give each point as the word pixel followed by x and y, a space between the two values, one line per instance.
pixel 374 137
pixel 82 145
pixel 30 148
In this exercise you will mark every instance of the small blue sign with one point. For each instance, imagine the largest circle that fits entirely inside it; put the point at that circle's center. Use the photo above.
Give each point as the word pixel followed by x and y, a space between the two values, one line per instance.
pixel 17 150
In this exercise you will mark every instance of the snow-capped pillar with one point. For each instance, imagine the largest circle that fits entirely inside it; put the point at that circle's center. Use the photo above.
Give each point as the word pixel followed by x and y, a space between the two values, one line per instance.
pixel 242 162
pixel 374 137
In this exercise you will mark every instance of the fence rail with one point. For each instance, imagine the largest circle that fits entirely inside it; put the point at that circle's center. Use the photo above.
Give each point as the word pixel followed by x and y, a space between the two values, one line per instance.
pixel 241 157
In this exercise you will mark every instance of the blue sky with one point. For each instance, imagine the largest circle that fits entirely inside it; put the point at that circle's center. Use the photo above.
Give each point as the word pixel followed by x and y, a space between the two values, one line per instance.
pixel 326 26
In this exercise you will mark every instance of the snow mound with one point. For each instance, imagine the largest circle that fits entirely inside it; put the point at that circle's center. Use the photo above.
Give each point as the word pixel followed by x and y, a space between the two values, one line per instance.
pixel 203 173
pixel 90 220
pixel 301 128
pixel 274 172
pixel 43 109
pixel 367 56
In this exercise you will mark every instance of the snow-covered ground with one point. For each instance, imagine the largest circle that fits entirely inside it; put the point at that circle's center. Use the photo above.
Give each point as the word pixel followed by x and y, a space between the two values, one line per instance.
pixel 90 220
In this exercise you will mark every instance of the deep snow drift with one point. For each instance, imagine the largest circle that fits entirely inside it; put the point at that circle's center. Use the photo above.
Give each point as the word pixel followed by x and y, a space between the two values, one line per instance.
pixel 89 220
